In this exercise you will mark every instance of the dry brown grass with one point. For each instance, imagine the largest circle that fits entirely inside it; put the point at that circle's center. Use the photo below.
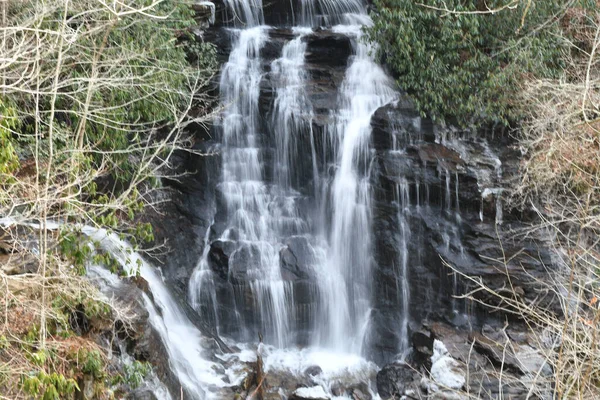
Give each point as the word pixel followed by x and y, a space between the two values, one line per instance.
pixel 22 287
pixel 560 180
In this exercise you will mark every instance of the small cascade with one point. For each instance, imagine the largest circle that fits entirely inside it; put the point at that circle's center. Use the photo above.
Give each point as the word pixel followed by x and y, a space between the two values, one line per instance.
pixel 183 341
pixel 316 13
pixel 203 296
pixel 245 12
pixel 292 111
pixel 447 197
pixel 258 213
pixel 403 200
pixel 365 88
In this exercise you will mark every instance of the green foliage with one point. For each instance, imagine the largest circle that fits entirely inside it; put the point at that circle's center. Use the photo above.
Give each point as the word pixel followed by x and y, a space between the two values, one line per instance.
pixel 76 248
pixel 122 77
pixel 91 363
pixel 157 69
pixel 65 305
pixel 53 386
pixel 135 373
pixel 8 123
pixel 466 65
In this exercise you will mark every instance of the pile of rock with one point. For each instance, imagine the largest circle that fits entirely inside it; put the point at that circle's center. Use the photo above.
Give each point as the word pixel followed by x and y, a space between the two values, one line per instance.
pixel 451 364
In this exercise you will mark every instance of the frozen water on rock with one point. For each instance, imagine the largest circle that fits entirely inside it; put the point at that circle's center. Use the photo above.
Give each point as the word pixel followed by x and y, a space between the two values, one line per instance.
pixel 445 370
pixel 315 392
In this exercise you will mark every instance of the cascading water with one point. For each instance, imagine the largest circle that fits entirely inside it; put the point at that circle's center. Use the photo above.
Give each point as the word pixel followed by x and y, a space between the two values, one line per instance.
pixel 204 297
pixel 403 199
pixel 184 343
pixel 347 282
pixel 328 12
pixel 247 12
pixel 257 212
pixel 292 111
pixel 263 215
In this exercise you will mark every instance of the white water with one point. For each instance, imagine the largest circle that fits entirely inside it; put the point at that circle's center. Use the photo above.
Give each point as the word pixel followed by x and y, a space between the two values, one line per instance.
pixel 403 198
pixel 327 12
pixel 346 285
pixel 182 340
pixel 203 378
pixel 262 215
pixel 292 111
pixel 262 207
pixel 204 293
pixel 245 12
pixel 258 214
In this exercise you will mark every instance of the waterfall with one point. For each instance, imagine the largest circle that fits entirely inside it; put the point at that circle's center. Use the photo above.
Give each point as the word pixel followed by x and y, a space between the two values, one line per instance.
pixel 403 200
pixel 257 212
pixel 292 111
pixel 245 12
pixel 294 205
pixel 203 297
pixel 263 212
pixel 365 88
pixel 328 12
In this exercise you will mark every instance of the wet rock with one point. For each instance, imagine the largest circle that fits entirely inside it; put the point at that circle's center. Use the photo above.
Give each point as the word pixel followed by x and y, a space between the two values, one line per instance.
pixel 295 258
pixel 359 391
pixel 219 255
pixel 394 380
pixel 313 371
pixel 329 48
pixel 358 394
pixel 422 342
pixel 287 380
pixel 145 394
pixel 243 262
pixel 185 210
pixel 437 153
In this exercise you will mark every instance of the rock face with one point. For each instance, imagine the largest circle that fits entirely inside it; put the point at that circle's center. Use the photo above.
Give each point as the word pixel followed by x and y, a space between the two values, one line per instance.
pixel 435 207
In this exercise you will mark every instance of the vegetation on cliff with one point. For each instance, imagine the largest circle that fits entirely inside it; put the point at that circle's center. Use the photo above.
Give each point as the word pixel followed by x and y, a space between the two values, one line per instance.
pixel 94 100
pixel 466 60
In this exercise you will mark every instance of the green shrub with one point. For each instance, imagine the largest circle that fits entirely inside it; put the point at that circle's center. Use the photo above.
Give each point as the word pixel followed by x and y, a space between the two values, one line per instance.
pixel 467 65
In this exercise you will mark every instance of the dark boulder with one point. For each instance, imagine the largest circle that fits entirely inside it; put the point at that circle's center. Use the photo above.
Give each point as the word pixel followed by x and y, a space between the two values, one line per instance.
pixel 313 371
pixel 245 261
pixel 328 48
pixel 219 255
pixel 394 380
pixel 422 343
pixel 296 258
